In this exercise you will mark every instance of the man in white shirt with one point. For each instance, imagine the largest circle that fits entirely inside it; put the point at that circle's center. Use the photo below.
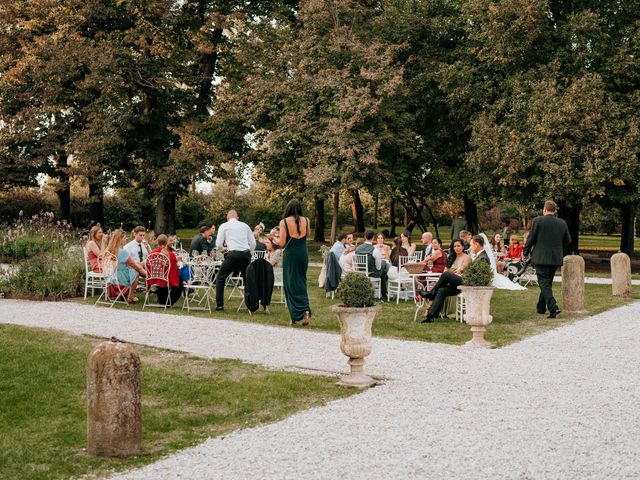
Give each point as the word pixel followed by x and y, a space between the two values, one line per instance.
pixel 338 248
pixel 239 240
pixel 427 238
pixel 138 248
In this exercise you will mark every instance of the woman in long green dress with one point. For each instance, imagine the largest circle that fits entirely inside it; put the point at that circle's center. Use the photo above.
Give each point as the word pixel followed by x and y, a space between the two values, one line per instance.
pixel 294 228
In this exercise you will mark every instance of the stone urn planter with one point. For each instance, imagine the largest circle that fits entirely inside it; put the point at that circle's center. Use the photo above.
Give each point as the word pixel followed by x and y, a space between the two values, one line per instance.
pixel 478 305
pixel 477 292
pixel 356 314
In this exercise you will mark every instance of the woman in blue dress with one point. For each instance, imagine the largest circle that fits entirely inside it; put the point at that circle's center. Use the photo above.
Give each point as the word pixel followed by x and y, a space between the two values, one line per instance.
pixel 127 270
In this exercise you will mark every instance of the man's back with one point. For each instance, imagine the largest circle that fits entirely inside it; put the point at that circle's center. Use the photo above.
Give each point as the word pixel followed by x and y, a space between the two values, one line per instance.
pixel 547 239
pixel 197 244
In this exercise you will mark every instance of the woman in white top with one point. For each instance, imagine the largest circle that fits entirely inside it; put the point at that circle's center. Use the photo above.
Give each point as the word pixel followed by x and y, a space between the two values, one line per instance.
pixel 346 260
pixel 385 250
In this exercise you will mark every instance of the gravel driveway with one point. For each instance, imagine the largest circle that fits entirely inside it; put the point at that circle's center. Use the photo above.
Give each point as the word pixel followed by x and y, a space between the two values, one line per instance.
pixel 561 405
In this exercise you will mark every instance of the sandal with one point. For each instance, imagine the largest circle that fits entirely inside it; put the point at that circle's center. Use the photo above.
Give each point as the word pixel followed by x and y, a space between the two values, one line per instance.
pixel 132 301
pixel 305 319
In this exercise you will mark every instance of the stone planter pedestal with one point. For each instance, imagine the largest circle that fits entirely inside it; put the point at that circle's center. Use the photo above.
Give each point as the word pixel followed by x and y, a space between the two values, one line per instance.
pixel 621 275
pixel 355 333
pixel 478 306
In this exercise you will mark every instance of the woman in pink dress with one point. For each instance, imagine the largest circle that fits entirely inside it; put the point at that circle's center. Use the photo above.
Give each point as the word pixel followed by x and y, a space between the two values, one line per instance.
pixel 95 248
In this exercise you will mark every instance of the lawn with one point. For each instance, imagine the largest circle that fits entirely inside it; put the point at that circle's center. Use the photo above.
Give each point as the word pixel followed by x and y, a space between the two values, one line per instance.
pixel 514 316
pixel 184 401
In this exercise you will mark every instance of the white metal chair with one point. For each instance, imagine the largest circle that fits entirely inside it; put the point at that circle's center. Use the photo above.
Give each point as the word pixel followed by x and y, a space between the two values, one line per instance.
pixel 361 265
pixel 278 282
pixel 256 254
pixel 197 295
pixel 157 267
pixel 403 280
pixel 92 280
pixel 461 308
pixel 110 270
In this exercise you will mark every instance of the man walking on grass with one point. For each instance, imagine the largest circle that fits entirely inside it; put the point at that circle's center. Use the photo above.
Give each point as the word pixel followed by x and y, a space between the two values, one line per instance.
pixel 546 243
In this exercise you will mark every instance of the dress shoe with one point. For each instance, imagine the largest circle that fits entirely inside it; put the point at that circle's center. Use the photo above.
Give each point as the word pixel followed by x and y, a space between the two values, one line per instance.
pixel 427 319
pixel 541 312
pixel 219 309
pixel 428 294
pixel 554 314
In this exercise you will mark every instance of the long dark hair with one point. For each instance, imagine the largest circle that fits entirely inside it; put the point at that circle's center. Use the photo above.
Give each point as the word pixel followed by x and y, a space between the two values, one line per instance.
pixel 452 254
pixel 407 234
pixel 293 209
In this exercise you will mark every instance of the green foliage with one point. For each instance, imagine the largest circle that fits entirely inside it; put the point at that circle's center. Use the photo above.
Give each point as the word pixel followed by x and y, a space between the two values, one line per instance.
pixel 191 210
pixel 478 274
pixel 355 290
pixel 127 208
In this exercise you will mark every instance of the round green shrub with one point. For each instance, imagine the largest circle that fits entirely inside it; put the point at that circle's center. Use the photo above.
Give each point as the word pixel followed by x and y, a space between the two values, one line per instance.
pixel 478 274
pixel 355 290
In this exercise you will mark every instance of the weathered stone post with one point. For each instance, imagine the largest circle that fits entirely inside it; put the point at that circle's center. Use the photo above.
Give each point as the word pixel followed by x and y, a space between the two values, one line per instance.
pixel 573 283
pixel 114 417
pixel 621 275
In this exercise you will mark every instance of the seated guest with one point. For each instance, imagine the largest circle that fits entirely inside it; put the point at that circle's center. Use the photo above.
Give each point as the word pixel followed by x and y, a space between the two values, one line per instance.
pixel 201 243
pixel 165 246
pixel 95 248
pixel 457 260
pixel 385 250
pixel 346 260
pixel 377 268
pixel 350 242
pixel 339 246
pixel 406 242
pixel 465 236
pixel 127 269
pixel 498 247
pixel 138 248
pixel 515 248
pixel 427 249
pixel 448 283
pixel 437 261
pixel 396 252
pixel 274 253
pixel 261 244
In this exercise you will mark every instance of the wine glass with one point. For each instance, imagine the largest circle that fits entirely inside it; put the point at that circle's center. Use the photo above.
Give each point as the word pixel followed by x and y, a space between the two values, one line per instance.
pixel 429 265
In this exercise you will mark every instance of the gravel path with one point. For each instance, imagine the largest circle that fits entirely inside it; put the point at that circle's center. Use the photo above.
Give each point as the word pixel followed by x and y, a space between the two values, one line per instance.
pixel 561 405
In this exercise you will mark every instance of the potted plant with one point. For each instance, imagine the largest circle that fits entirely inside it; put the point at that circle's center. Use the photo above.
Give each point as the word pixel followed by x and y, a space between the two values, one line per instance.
pixel 476 292
pixel 356 314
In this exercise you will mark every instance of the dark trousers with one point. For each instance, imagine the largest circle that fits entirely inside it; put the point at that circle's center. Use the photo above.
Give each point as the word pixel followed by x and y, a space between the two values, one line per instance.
pixel 174 296
pixel 446 286
pixel 546 301
pixel 235 260
pixel 383 275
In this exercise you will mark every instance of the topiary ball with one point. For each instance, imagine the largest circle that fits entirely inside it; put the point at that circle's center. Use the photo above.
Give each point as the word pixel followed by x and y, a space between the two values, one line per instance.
pixel 478 274
pixel 355 290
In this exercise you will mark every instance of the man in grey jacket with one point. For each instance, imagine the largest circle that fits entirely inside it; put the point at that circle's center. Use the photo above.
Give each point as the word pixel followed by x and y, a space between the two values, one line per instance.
pixel 548 239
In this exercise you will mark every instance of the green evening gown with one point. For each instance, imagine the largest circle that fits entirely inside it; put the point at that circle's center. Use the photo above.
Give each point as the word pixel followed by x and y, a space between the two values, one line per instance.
pixel 294 269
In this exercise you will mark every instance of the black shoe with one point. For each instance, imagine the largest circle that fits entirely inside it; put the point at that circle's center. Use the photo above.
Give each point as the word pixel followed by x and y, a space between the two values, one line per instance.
pixel 428 294
pixel 427 319
pixel 219 309
pixel 554 314
pixel 541 312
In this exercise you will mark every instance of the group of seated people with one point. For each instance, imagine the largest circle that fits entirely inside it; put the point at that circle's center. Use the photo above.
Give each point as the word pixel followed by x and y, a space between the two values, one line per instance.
pixel 205 243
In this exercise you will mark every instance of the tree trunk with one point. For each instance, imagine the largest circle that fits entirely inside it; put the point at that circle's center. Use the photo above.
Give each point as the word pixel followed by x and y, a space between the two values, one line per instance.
pixel 571 215
pixel 628 234
pixel 435 222
pixel 392 218
pixel 319 216
pixel 471 214
pixel 376 198
pixel 63 189
pixel 208 65
pixel 334 218
pixel 356 210
pixel 166 215
pixel 405 212
pixel 96 203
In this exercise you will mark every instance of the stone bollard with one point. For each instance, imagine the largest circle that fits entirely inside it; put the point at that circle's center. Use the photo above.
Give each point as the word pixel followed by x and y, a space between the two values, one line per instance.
pixel 114 417
pixel 621 275
pixel 573 283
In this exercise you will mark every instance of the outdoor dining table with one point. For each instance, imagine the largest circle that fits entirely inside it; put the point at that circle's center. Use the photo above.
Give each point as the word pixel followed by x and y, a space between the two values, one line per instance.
pixel 428 279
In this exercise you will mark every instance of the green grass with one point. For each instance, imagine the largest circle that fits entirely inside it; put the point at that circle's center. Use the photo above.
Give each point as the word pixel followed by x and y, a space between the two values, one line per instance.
pixel 185 400
pixel 514 315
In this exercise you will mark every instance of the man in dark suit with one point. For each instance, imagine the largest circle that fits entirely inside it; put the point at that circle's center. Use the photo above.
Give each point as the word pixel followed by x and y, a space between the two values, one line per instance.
pixel 448 283
pixel 546 242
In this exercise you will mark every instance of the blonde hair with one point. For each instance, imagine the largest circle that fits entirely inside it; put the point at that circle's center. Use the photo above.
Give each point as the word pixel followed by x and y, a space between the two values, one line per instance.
pixel 514 237
pixel 93 231
pixel 115 242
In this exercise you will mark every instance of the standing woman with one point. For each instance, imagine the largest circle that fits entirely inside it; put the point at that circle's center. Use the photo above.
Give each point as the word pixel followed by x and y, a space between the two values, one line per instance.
pixel 294 228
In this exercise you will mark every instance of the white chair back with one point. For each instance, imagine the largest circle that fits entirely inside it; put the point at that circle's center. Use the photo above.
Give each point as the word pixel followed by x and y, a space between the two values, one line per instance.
pixel 256 254
pixel 361 263
pixel 404 259
pixel 419 254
